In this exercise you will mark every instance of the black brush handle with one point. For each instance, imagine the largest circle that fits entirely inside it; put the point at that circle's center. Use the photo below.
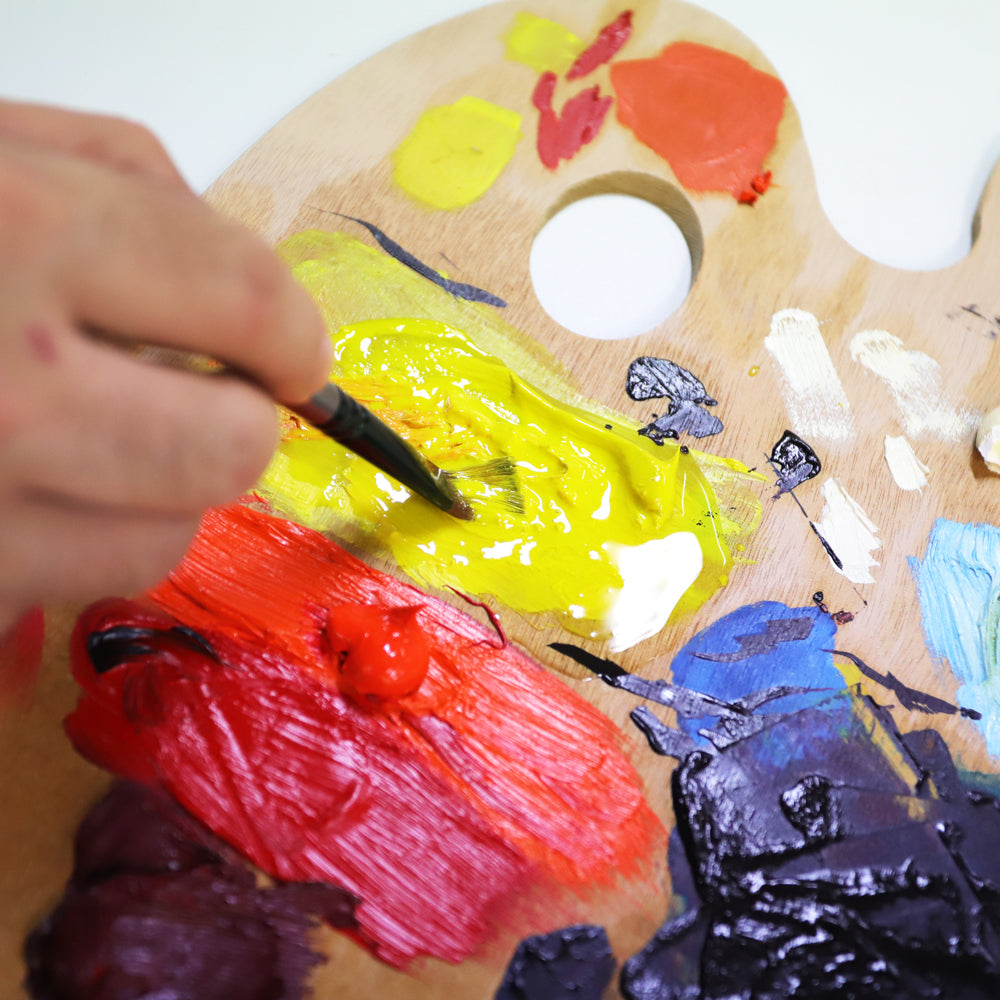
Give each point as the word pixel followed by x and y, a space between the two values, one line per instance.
pixel 346 421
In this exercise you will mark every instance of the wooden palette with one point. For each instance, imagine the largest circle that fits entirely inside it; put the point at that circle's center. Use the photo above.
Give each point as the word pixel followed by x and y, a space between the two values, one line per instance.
pixel 332 152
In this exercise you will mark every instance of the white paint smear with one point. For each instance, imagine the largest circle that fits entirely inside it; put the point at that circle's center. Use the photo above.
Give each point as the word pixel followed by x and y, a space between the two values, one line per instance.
pixel 908 471
pixel 816 402
pixel 850 532
pixel 914 380
pixel 655 576
pixel 988 440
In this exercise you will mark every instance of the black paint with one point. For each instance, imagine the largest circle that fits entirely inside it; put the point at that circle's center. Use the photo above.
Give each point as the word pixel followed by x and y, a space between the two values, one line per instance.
pixel 775 631
pixel 573 963
pixel 825 855
pixel 159 908
pixel 794 461
pixel 655 378
pixel 115 645
pixel 457 288
pixel 910 698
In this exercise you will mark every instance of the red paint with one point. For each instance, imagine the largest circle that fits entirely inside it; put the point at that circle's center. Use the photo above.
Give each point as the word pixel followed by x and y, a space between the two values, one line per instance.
pixel 21 657
pixel 710 114
pixel 438 808
pixel 604 48
pixel 561 136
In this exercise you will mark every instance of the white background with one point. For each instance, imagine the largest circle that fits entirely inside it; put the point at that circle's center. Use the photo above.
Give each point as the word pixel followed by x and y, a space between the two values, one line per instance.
pixel 900 99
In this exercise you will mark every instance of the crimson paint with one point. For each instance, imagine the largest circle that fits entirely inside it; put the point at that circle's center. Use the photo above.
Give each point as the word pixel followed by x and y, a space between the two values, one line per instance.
pixel 604 48
pixel 561 136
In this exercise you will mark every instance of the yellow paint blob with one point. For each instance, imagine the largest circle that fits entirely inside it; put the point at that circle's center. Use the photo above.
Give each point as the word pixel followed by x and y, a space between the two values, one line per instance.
pixel 455 152
pixel 542 44
pixel 594 495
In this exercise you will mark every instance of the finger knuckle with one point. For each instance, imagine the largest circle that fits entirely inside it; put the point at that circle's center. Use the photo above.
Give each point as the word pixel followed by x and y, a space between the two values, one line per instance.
pixel 30 208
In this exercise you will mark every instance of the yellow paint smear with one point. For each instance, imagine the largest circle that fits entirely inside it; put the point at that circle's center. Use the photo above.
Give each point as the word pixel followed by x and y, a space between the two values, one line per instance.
pixel 590 491
pixel 455 152
pixel 542 44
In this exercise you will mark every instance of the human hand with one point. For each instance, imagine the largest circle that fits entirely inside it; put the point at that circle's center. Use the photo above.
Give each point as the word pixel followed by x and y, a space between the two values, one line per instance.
pixel 106 462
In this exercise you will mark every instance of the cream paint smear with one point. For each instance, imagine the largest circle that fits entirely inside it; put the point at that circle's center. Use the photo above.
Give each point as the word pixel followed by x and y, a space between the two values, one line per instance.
pixel 907 470
pixel 615 532
pixel 814 398
pixel 849 531
pixel 914 380
pixel 455 152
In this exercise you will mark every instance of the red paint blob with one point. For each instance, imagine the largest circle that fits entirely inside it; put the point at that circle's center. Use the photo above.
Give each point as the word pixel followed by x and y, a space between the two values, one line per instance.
pixel 710 114
pixel 384 654
pixel 437 808
pixel 561 136
pixel 604 48
pixel 21 657
pixel 41 343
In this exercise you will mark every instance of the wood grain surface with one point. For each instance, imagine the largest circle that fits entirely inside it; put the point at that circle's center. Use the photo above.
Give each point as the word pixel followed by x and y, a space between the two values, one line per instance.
pixel 332 153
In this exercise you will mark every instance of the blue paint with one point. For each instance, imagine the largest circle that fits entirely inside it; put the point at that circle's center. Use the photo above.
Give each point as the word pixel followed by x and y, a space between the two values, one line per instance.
pixel 958 582
pixel 741 654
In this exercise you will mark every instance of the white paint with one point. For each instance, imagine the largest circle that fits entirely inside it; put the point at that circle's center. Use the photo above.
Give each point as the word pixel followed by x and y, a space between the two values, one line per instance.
pixel 988 440
pixel 908 471
pixel 610 266
pixel 816 402
pixel 914 380
pixel 655 576
pixel 850 532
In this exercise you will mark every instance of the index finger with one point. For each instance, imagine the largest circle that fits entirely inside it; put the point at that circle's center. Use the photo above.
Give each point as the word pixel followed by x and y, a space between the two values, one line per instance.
pixel 149 263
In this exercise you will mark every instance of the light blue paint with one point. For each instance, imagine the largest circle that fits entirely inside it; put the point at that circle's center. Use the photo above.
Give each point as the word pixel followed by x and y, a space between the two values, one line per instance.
pixel 958 582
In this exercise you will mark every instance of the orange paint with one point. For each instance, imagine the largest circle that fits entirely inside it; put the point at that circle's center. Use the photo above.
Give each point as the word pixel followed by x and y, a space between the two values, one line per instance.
pixel 710 114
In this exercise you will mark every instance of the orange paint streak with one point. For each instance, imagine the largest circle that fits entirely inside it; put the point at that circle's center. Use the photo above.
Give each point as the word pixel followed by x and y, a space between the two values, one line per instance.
pixel 710 114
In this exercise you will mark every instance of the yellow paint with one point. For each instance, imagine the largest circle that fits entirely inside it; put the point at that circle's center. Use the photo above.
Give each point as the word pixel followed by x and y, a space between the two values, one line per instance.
pixel 455 152
pixel 587 490
pixel 542 44
pixel 754 370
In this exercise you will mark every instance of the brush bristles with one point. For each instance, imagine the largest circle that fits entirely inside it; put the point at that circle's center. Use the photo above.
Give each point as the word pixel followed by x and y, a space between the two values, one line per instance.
pixel 500 478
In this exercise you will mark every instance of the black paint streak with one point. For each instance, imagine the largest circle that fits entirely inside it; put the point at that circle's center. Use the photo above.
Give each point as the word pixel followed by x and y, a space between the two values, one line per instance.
pixel 827 548
pixel 910 698
pixel 777 630
pixel 574 963
pixel 794 461
pixel 158 906
pixel 655 378
pixel 113 646
pixel 457 288
pixel 992 321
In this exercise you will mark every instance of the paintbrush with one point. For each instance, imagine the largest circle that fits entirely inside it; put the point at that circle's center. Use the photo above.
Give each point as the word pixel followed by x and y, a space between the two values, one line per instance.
pixel 343 419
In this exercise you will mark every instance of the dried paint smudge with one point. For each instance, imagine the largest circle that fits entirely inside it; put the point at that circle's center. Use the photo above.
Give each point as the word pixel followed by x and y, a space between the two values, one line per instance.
pixel 794 461
pixel 455 152
pixel 572 963
pixel 604 48
pixel 254 730
pixel 817 850
pixel 542 44
pixel 709 114
pixel 657 378
pixel 599 502
pixel 157 906
pixel 459 289
pixel 958 582
pixel 908 472
pixel 816 402
pixel 914 381
pixel 988 440
pixel 562 135
pixel 849 531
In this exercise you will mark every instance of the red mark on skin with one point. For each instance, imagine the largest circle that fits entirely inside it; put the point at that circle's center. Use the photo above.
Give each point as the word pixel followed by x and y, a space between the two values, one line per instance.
pixel 710 114
pixel 21 658
pixel 604 48
pixel 560 137
pixel 436 808
pixel 41 343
